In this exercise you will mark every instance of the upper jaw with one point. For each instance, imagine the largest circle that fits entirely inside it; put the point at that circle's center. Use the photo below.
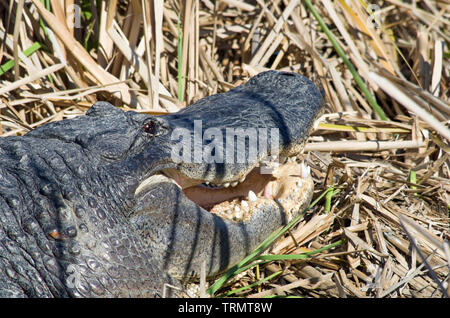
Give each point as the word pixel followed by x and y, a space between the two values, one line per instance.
pixel 184 176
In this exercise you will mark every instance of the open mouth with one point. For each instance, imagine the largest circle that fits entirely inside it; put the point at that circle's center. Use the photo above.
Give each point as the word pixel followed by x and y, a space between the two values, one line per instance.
pixel 289 186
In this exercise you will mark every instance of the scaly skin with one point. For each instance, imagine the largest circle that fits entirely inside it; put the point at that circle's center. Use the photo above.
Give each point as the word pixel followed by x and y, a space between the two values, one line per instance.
pixel 74 224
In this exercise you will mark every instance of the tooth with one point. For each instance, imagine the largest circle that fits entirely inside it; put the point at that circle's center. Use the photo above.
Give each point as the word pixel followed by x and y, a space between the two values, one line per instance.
pixel 299 183
pixel 207 182
pixel 226 185
pixel 237 208
pixel 242 179
pixel 283 159
pixel 252 196
pixel 316 123
pixel 268 190
pixel 305 170
pixel 234 183
pixel 244 205
pixel 293 158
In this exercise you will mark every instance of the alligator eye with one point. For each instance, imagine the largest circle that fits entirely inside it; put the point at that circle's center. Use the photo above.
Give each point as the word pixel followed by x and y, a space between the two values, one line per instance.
pixel 150 128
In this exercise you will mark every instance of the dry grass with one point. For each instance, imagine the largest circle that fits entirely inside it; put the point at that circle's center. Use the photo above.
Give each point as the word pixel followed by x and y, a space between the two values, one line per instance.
pixel 392 207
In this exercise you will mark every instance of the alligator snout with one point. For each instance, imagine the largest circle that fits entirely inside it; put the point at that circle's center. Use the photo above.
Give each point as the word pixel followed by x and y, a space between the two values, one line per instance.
pixel 237 170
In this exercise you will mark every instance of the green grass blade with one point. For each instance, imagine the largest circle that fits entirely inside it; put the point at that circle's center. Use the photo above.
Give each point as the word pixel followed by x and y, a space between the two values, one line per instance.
pixel 10 64
pixel 299 256
pixel 347 62
pixel 328 200
pixel 413 179
pixel 237 290
pixel 46 4
pixel 235 270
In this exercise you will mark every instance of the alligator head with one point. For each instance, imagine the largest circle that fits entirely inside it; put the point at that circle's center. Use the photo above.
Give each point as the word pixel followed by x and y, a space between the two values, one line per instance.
pixel 125 202
pixel 228 166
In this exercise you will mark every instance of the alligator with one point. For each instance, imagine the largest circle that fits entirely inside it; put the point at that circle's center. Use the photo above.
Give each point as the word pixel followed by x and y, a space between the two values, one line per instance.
pixel 119 203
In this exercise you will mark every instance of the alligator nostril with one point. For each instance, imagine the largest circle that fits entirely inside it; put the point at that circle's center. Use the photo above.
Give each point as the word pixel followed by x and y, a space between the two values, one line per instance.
pixel 287 73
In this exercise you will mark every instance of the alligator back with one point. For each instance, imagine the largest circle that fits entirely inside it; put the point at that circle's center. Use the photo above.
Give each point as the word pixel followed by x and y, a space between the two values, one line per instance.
pixel 62 233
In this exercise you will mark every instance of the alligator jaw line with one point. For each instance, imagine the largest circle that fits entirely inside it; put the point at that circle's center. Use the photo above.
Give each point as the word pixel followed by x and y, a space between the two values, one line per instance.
pixel 289 185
